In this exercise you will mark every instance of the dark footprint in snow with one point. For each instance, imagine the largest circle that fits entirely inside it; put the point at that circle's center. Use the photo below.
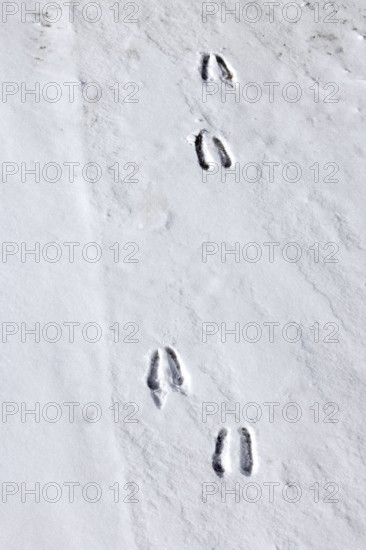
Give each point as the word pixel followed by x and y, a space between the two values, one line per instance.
pixel 226 74
pixel 153 377
pixel 224 156
pixel 154 380
pixel 204 66
pixel 246 452
pixel 219 449
pixel 175 369
pixel 200 150
pixel 225 159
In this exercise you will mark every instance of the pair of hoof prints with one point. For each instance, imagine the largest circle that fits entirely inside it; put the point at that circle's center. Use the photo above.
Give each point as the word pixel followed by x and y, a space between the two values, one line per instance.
pixel 226 75
pixel 202 152
pixel 157 376
pixel 177 378
pixel 220 458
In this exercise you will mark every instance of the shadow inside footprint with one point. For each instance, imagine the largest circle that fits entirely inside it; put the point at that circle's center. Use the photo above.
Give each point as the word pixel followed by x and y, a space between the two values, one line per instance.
pixel 226 73
pixel 153 380
pixel 175 369
pixel 224 156
pixel 200 150
pixel 204 66
pixel 246 452
pixel 217 456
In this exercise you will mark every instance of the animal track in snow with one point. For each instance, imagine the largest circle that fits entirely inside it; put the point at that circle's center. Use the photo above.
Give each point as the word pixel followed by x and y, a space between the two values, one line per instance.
pixel 153 378
pixel 217 457
pixel 224 156
pixel 175 369
pixel 200 151
pixel 204 66
pixel 154 381
pixel 246 452
pixel 220 458
pixel 226 74
pixel 156 377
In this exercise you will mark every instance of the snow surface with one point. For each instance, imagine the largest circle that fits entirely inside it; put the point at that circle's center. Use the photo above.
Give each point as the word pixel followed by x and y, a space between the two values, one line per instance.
pixel 170 293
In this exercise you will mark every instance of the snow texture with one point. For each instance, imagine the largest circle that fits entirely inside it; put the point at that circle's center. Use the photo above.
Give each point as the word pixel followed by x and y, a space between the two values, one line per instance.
pixel 165 375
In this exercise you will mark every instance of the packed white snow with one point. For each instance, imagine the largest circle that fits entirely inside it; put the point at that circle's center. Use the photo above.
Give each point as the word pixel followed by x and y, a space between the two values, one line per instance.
pixel 116 244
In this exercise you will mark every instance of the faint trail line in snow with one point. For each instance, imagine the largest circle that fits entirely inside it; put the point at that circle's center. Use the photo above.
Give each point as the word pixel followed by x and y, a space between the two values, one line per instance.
pixel 308 280
pixel 327 298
